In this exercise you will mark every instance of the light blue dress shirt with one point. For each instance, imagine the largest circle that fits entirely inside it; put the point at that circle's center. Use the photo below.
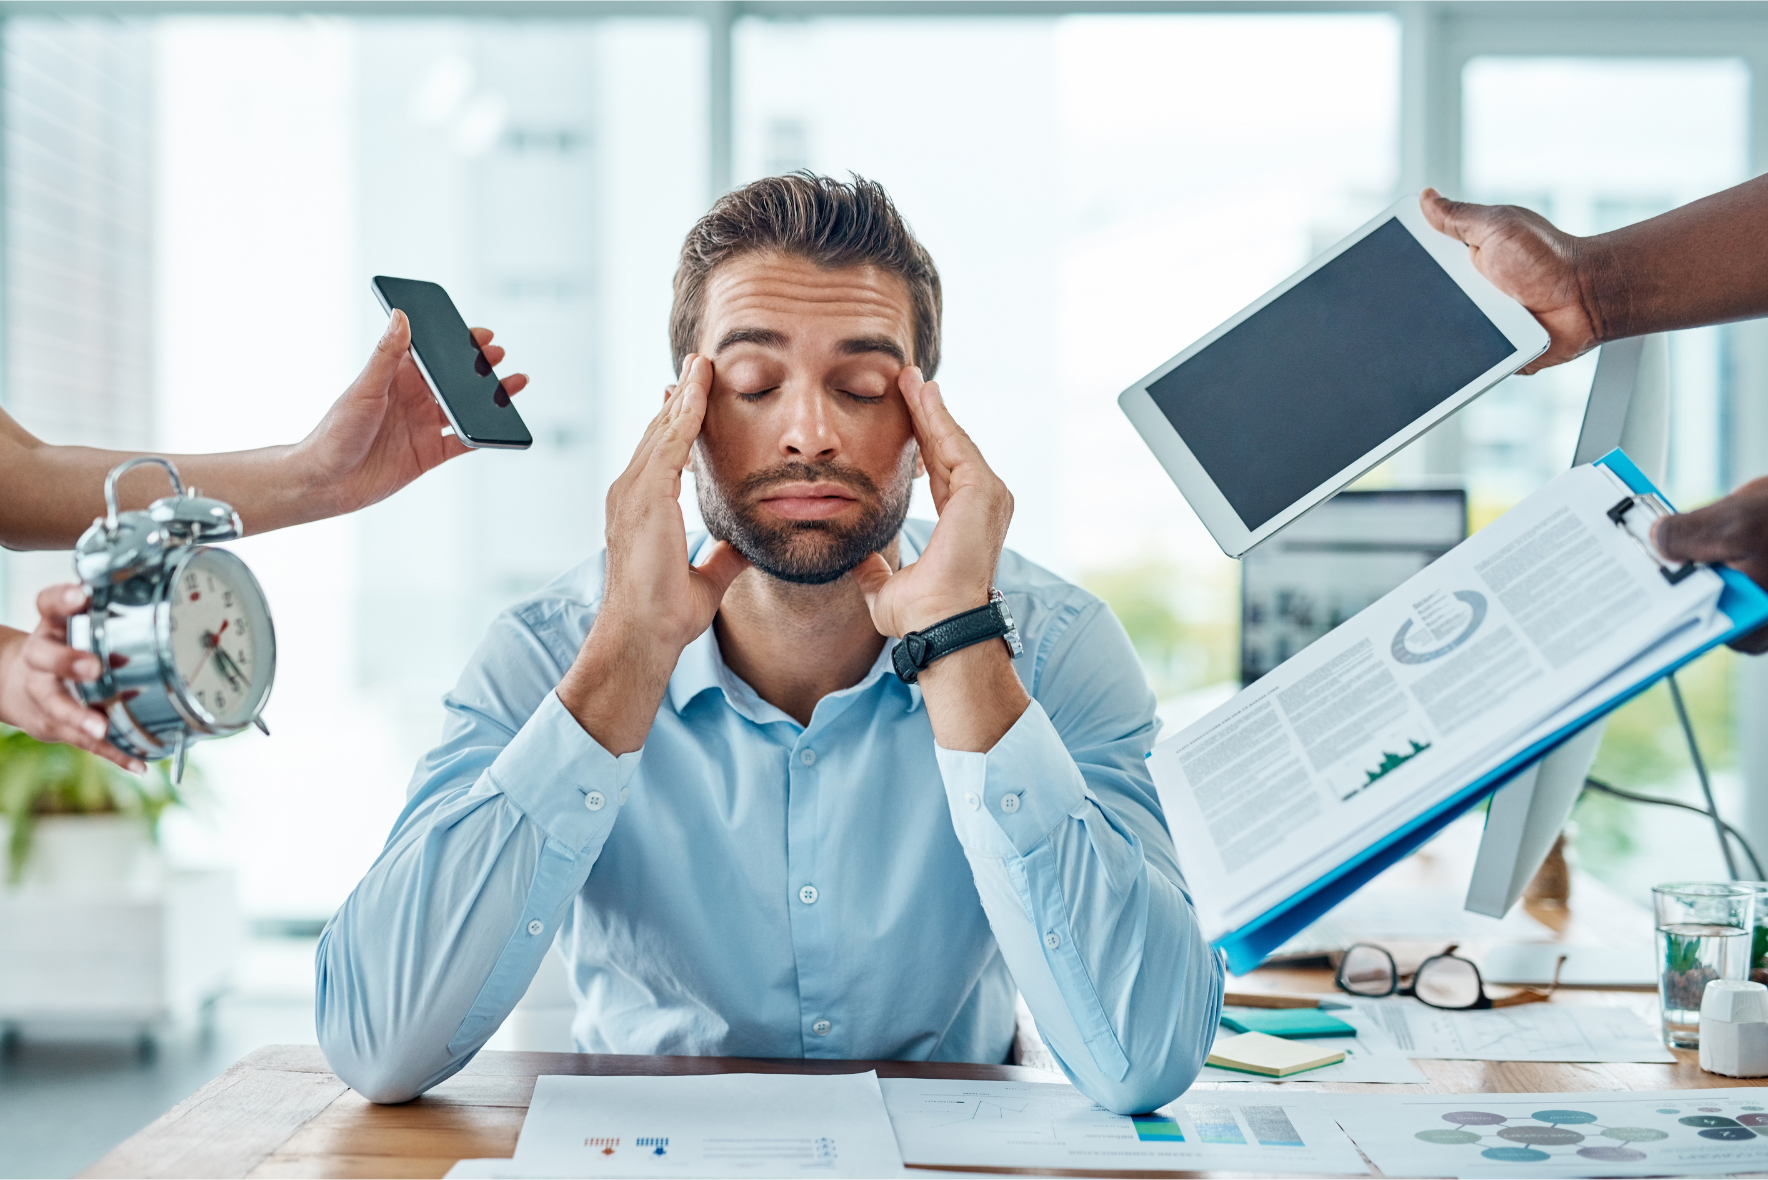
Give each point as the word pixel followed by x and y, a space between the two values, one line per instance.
pixel 748 886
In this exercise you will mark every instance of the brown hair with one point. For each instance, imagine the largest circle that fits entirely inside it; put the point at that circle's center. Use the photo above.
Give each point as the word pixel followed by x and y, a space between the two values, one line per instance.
pixel 817 218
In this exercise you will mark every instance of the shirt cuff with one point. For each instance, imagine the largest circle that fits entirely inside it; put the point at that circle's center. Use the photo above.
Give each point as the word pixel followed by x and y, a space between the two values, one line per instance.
pixel 1005 802
pixel 562 779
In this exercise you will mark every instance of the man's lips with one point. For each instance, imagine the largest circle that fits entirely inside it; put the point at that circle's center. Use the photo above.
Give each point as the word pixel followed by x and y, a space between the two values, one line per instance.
pixel 808 501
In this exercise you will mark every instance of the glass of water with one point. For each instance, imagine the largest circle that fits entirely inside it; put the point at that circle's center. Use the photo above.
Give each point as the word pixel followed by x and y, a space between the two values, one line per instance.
pixel 1703 933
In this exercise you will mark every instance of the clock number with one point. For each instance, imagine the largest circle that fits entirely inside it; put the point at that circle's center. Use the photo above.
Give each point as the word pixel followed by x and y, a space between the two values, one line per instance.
pixel 227 598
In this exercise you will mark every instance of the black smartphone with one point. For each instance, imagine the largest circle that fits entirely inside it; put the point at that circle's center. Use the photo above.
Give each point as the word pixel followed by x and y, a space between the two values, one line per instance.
pixel 456 370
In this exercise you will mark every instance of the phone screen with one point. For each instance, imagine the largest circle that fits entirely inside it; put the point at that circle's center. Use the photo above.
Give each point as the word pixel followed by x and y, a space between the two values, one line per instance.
pixel 469 391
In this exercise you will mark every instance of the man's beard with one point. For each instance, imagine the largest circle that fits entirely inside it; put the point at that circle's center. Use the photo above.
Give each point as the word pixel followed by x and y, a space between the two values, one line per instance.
pixel 808 552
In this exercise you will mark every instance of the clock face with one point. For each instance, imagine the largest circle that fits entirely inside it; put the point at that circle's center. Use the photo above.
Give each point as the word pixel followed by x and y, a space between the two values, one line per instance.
pixel 222 648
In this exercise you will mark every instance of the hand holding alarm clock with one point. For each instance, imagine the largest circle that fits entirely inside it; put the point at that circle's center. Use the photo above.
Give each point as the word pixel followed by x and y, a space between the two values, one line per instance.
pixel 185 646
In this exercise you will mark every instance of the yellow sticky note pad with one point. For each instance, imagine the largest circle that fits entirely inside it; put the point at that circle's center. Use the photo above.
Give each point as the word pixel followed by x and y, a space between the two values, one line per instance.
pixel 1257 1052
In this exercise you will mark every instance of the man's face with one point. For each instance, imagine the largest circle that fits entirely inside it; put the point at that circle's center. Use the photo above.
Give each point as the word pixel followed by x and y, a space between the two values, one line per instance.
pixel 807 452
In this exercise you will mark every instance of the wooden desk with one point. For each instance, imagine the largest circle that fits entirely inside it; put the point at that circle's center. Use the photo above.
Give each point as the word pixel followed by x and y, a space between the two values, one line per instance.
pixel 282 1112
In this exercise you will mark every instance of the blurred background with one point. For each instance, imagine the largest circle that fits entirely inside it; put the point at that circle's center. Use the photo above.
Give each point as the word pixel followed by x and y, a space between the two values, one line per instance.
pixel 194 201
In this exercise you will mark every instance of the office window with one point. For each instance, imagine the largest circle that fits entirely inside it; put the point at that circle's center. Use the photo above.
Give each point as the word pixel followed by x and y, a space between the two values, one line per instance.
pixel 1670 131
pixel 543 172
pixel 1097 192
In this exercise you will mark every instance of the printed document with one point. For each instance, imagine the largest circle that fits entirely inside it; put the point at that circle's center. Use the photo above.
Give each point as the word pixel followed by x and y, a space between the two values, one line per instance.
pixel 1526 1032
pixel 1604 1133
pixel 1502 642
pixel 1051 1126
pixel 740 1124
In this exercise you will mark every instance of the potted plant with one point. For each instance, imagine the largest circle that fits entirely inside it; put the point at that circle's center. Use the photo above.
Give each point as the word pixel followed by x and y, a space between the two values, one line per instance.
pixel 74 820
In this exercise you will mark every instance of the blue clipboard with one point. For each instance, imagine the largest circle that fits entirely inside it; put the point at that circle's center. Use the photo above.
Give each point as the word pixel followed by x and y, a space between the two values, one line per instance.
pixel 1741 600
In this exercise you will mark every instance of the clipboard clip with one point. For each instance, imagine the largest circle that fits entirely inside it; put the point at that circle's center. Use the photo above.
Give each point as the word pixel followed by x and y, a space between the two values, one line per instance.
pixel 1638 526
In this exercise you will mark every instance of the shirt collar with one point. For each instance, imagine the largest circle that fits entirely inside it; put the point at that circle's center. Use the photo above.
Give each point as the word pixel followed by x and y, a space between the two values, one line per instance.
pixel 702 667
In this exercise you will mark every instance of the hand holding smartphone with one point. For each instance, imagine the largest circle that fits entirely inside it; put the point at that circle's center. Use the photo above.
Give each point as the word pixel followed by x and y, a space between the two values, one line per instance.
pixel 455 369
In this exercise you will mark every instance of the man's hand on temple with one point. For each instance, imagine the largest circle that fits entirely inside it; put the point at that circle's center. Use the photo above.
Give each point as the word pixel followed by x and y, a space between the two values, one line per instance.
pixel 32 671
pixel 1531 261
pixel 655 602
pixel 973 696
pixel 1734 531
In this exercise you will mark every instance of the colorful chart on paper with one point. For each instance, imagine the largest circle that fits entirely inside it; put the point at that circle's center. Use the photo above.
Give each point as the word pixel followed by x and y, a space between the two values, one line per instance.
pixel 1584 1134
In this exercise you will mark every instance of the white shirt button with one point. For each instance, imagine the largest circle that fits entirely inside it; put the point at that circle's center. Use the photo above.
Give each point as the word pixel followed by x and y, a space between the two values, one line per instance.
pixel 807 895
pixel 971 801
pixel 807 756
pixel 595 800
pixel 625 793
pixel 1009 803
pixel 821 1028
pixel 1052 940
pixel 536 926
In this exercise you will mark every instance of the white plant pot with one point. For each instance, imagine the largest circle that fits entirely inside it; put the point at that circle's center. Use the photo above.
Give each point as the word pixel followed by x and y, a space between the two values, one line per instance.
pixel 92 854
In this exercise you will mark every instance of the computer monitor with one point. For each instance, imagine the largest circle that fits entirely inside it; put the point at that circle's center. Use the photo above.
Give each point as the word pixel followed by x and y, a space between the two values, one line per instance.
pixel 1336 560
pixel 1629 407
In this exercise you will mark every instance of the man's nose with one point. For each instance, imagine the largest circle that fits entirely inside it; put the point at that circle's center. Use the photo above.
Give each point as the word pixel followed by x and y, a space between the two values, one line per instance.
pixel 809 431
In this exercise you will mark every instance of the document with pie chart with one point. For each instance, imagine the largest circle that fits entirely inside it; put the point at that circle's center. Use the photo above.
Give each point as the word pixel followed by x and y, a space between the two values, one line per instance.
pixel 1282 800
pixel 1601 1133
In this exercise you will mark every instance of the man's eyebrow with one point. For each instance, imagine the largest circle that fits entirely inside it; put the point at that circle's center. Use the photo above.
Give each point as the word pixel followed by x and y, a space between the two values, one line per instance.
pixel 860 345
pixel 766 337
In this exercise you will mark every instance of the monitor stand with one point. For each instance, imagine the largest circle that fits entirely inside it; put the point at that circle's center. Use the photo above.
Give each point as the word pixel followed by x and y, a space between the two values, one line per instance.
pixel 1629 408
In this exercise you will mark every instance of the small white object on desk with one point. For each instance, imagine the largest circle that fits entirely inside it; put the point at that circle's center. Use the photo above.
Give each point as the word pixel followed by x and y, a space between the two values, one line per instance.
pixel 1734 1029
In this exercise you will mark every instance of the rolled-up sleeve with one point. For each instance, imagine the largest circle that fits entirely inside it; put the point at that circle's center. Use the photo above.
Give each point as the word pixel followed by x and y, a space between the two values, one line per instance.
pixel 1076 870
pixel 504 822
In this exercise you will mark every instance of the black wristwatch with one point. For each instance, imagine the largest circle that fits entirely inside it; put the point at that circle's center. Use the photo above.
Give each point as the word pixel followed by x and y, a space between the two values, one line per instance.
pixel 920 648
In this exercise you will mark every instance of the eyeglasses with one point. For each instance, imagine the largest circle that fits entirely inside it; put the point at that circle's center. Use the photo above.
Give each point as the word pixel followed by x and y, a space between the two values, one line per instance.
pixel 1442 981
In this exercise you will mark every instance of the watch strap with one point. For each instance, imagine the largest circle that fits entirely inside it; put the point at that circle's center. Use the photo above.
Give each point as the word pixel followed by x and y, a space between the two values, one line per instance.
pixel 918 649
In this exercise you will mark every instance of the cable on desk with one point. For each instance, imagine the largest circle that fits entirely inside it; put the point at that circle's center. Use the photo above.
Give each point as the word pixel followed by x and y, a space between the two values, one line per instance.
pixel 1593 784
pixel 1706 787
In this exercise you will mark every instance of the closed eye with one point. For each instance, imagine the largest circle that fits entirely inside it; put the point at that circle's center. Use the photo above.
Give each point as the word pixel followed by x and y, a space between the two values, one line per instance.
pixel 758 394
pixel 862 399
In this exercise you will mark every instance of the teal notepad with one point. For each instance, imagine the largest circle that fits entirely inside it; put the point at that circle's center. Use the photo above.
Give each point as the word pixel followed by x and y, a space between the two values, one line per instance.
pixel 1287 1022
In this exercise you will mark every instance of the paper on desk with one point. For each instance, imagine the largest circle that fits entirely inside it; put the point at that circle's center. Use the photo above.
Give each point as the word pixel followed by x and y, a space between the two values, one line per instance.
pixel 1629 1133
pixel 1046 1125
pixel 1370 1056
pixel 1527 1032
pixel 709 1125
pixel 1417 696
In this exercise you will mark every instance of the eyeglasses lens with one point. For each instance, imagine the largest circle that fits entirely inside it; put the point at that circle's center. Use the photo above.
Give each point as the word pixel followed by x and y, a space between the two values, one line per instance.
pixel 1448 983
pixel 1367 972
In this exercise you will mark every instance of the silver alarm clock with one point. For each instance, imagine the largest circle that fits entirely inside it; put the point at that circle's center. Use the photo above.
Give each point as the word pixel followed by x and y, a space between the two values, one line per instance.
pixel 181 630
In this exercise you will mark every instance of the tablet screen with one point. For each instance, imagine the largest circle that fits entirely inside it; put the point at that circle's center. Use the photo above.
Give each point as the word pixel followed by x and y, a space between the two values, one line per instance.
pixel 1327 371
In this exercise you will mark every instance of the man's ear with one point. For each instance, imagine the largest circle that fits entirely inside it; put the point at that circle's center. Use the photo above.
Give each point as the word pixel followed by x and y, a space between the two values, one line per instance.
pixel 920 465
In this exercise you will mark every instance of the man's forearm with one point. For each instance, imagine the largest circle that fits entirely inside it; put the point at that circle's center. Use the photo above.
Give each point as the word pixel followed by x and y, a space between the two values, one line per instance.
pixel 973 696
pixel 617 682
pixel 1704 263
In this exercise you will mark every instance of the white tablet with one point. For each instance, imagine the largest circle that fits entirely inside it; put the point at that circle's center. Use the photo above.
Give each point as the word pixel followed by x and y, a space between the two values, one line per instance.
pixel 1333 370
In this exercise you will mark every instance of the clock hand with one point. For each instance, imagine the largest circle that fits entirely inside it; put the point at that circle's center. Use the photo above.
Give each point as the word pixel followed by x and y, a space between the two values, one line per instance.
pixel 213 640
pixel 228 668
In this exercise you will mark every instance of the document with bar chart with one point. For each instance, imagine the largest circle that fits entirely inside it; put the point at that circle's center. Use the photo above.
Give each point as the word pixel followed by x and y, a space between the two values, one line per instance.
pixel 1043 1125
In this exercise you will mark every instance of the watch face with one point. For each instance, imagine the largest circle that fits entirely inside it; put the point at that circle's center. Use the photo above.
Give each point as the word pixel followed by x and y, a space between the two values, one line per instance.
pixel 223 650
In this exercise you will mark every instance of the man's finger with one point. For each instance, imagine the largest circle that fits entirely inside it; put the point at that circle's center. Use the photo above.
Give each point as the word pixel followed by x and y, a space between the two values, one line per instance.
pixel 722 565
pixel 393 346
pixel 870 576
pixel 484 336
pixel 914 394
pixel 515 383
pixel 641 454
pixel 1462 220
pixel 1732 529
pixel 675 441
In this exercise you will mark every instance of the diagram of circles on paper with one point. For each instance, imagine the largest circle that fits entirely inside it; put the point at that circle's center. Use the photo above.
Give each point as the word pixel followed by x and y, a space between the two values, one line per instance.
pixel 1444 622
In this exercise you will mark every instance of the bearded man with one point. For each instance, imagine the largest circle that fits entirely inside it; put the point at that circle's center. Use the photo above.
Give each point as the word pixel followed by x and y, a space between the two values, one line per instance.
pixel 755 824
